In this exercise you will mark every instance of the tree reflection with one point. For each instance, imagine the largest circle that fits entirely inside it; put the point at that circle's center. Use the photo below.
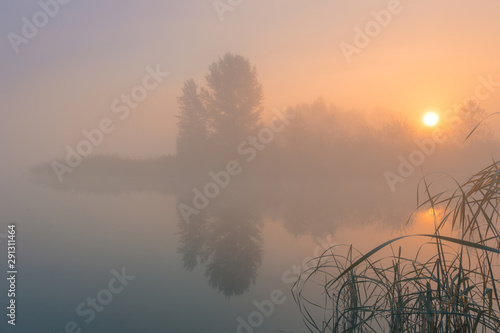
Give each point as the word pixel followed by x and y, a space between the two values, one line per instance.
pixel 229 243
pixel 324 170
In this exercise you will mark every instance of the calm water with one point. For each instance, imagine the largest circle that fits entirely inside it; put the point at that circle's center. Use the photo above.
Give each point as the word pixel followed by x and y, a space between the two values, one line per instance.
pixel 69 243
pixel 72 245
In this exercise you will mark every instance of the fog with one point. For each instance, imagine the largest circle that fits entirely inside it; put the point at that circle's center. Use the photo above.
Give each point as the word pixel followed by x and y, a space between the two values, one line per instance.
pixel 207 150
pixel 313 167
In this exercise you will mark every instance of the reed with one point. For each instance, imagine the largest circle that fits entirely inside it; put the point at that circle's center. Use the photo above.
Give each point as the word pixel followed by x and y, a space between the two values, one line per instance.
pixel 449 285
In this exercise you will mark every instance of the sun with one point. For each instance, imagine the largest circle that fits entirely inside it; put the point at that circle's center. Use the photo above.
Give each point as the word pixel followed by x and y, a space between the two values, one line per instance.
pixel 431 119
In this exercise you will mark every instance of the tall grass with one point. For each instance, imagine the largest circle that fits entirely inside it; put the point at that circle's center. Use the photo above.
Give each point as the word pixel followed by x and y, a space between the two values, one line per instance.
pixel 449 285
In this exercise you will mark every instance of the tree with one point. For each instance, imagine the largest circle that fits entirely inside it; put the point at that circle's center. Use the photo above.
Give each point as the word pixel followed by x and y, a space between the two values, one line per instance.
pixel 398 131
pixel 193 122
pixel 223 113
pixel 233 99
pixel 470 114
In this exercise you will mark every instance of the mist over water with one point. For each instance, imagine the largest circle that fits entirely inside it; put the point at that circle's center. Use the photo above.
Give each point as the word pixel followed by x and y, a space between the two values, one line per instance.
pixel 211 153
pixel 311 170
pixel 308 167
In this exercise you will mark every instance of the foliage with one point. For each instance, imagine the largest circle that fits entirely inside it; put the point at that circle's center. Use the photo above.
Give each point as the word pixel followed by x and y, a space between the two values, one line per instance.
pixel 224 112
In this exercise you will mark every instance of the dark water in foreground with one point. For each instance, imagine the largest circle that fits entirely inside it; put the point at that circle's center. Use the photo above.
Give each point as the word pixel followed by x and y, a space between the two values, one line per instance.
pixel 68 244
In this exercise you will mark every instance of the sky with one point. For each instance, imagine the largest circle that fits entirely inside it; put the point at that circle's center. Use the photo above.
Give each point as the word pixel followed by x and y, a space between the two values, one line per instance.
pixel 75 72
pixel 430 55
